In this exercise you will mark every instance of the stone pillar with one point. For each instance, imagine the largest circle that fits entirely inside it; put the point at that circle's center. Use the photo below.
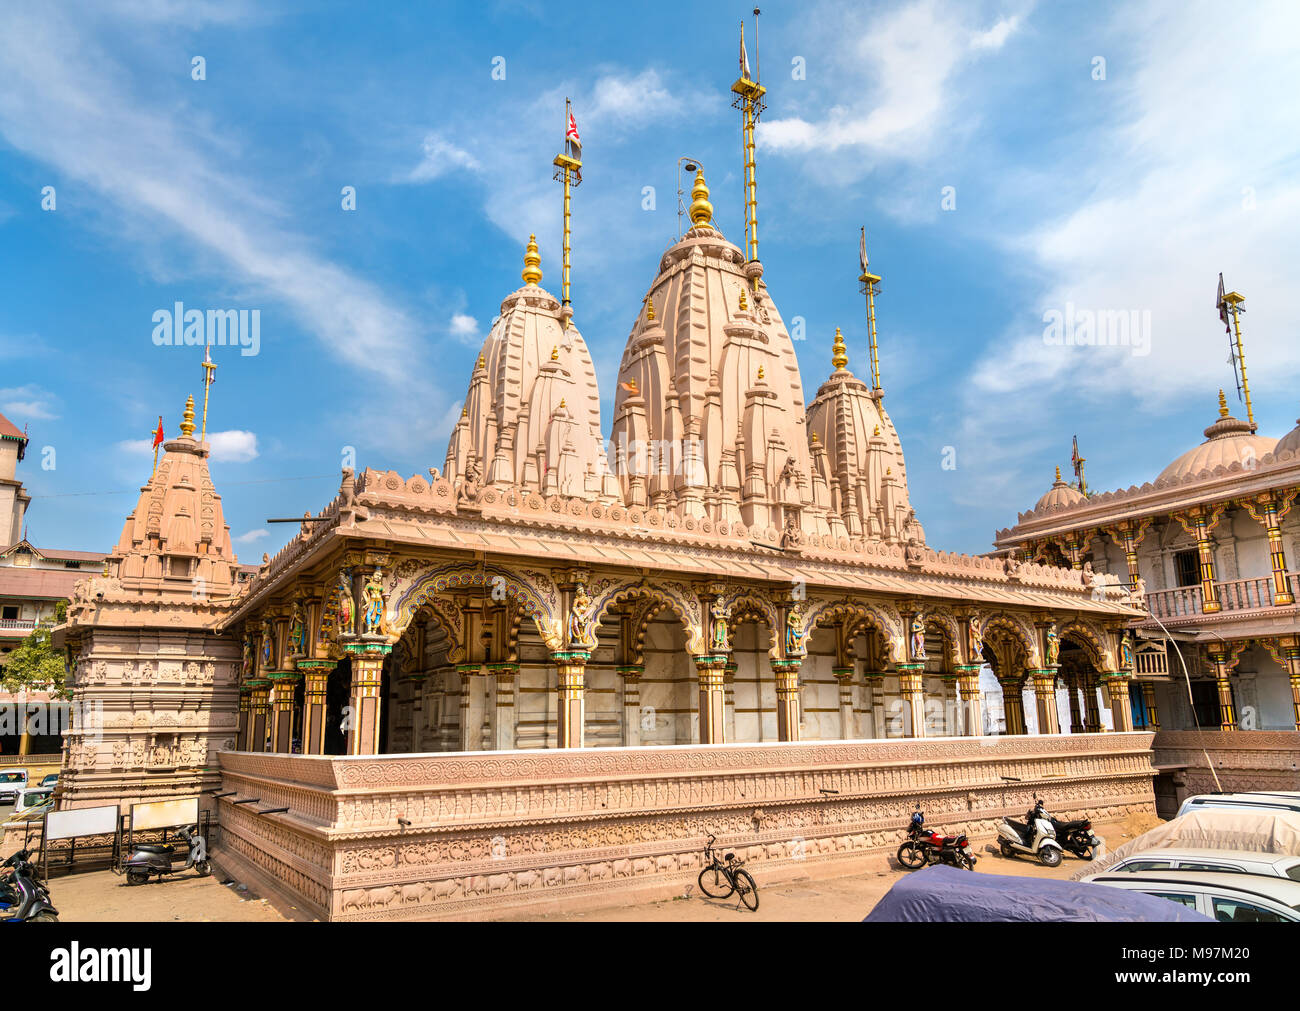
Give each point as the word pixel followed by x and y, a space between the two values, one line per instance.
pixel 713 700
pixel 787 698
pixel 876 703
pixel 844 677
pixel 1291 656
pixel 1221 662
pixel 1265 510
pixel 24 738
pixel 911 683
pixel 1121 710
pixel 1076 717
pixel 1013 705
pixel 631 676
pixel 970 707
pixel 467 723
pixel 241 734
pixel 1093 717
pixel 1199 522
pixel 282 711
pixel 258 713
pixel 503 719
pixel 1049 719
pixel 1149 703
pixel 367 682
pixel 729 695
pixel 570 710
pixel 316 675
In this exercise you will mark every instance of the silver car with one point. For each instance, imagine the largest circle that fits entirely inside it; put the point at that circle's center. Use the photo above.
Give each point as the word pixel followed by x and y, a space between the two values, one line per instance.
pixel 1228 898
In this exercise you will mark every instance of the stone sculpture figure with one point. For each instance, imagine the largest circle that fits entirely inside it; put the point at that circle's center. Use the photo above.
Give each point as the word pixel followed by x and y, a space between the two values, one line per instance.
pixel 1053 646
pixel 346 608
pixel 373 594
pixel 718 628
pixel 976 639
pixel 1126 651
pixel 918 639
pixel 793 634
pixel 298 631
pixel 579 617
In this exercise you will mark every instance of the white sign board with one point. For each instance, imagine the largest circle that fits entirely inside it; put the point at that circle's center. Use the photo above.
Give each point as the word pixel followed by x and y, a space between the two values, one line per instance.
pixel 165 814
pixel 83 821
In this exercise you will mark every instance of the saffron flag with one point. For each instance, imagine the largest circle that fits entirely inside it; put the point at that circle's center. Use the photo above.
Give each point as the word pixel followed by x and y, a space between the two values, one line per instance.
pixel 1222 306
pixel 862 250
pixel 158 434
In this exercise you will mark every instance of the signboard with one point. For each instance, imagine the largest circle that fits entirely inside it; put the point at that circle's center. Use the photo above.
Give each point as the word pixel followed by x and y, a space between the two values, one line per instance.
pixel 164 814
pixel 83 821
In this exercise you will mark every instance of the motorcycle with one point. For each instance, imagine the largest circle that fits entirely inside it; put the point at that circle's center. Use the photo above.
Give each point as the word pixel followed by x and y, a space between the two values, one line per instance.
pixel 156 858
pixel 925 846
pixel 1034 836
pixel 23 896
pixel 1076 836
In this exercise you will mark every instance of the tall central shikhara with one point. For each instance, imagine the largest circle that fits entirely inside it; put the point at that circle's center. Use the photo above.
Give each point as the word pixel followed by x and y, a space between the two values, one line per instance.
pixel 749 100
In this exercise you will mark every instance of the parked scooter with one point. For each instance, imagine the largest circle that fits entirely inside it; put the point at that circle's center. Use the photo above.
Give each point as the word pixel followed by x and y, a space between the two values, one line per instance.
pixel 156 858
pixel 23 895
pixel 925 846
pixel 1075 836
pixel 1034 836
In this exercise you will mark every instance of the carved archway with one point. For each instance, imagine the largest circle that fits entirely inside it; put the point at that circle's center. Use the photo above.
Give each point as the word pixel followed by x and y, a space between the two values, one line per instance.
pixel 529 599
pixel 882 617
pixel 1017 629
pixel 617 594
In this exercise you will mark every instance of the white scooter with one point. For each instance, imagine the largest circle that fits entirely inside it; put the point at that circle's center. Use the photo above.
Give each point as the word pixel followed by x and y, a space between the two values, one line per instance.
pixel 1035 836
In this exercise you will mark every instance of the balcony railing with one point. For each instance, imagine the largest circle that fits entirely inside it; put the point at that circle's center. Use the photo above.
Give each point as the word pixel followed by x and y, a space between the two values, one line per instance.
pixel 21 624
pixel 1234 595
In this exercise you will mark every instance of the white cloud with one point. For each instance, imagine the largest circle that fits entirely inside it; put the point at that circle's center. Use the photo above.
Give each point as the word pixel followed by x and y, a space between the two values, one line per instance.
pixel 440 157
pixel 252 537
pixel 28 402
pixel 996 36
pixel 136 447
pixel 234 446
pixel 463 325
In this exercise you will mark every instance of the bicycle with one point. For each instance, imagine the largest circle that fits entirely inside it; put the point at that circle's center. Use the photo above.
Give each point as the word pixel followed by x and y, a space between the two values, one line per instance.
pixel 720 879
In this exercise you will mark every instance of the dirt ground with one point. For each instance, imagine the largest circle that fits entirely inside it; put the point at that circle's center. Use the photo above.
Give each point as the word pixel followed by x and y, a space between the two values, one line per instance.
pixel 105 896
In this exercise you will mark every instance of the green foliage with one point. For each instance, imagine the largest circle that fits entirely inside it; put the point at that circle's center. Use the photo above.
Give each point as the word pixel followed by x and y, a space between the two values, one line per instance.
pixel 60 611
pixel 35 665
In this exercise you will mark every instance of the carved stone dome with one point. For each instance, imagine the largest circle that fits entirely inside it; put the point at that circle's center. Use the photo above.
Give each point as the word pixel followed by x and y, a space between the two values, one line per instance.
pixel 1229 440
pixel 1060 495
pixel 1289 442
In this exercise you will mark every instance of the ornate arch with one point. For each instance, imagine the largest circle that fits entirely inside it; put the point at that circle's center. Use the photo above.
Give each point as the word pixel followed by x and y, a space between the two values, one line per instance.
pixel 620 593
pixel 528 597
pixel 1093 643
pixel 953 638
pixel 443 613
pixel 881 617
pixel 743 605
pixel 1018 630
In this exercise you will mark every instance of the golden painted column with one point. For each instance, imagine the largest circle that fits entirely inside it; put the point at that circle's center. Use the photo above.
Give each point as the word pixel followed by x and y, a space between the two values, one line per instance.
pixel 787 697
pixel 1049 719
pixel 241 734
pixel 844 679
pixel 367 683
pixel 1128 534
pixel 1270 509
pixel 259 711
pixel 1013 704
pixel 1222 661
pixel 1121 708
pixel 570 667
pixel 911 684
pixel 1199 522
pixel 1092 724
pixel 713 699
pixel 1149 702
pixel 282 711
pixel 968 694
pixel 316 675
pixel 630 674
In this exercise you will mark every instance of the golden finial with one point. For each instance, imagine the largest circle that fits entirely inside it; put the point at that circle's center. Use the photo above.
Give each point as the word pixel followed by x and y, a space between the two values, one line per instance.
pixel 701 210
pixel 1223 405
pixel 888 471
pixel 649 309
pixel 562 403
pixel 632 386
pixel 555 353
pixel 532 273
pixel 875 432
pixel 744 301
pixel 816 438
pixel 482 362
pixel 187 423
pixel 839 353
pixel 760 372
pixel 1058 472
pixel 464 412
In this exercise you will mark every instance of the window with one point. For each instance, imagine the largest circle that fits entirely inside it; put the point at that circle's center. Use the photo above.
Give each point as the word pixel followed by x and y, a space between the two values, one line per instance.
pixel 71 565
pixel 1205 702
pixel 1236 911
pixel 1293 872
pixel 1137 866
pixel 1187 568
pixel 1222 868
pixel 1183 900
pixel 9 614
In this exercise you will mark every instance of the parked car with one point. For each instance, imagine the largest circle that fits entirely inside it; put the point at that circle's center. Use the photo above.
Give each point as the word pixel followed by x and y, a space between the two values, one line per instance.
pixel 32 798
pixel 1269 865
pixel 1279 801
pixel 12 783
pixel 1228 898
pixel 52 780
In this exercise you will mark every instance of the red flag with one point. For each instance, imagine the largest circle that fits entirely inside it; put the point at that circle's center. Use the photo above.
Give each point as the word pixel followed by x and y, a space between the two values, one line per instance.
pixel 158 434
pixel 571 135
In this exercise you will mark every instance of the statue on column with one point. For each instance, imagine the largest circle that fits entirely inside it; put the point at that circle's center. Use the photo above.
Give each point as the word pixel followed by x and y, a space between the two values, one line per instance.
pixel 298 631
pixel 976 639
pixel 793 634
pixel 347 610
pixel 718 642
pixel 373 595
pixel 247 667
pixel 1053 646
pixel 918 638
pixel 266 645
pixel 579 618
pixel 1126 652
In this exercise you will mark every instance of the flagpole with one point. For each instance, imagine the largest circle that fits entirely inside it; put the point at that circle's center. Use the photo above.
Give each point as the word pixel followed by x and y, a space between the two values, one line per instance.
pixel 209 367
pixel 869 282
pixel 157 438
pixel 566 164
pixel 749 99
pixel 1235 300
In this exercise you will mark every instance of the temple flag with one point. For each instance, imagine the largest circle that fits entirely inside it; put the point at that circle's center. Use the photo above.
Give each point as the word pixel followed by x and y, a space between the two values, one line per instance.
pixel 862 250
pixel 1222 306
pixel 158 434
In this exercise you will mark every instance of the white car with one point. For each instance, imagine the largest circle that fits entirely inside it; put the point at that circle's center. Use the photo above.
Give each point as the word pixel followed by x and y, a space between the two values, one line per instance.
pixel 32 798
pixel 1280 801
pixel 1228 898
pixel 1269 865
pixel 12 783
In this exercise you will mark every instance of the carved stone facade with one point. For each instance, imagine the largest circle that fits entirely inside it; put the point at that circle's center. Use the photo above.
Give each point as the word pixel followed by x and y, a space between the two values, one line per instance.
pixel 428 836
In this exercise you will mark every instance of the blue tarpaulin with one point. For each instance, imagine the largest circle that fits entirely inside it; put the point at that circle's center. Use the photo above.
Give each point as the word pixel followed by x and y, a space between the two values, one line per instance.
pixel 943 894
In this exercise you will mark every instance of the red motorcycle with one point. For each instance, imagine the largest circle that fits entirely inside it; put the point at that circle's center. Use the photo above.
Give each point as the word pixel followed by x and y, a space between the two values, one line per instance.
pixel 925 846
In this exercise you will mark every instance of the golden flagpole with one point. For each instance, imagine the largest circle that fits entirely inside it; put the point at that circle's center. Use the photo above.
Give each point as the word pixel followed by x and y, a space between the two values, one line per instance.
pixel 1236 303
pixel 209 367
pixel 156 433
pixel 568 171
pixel 749 99
pixel 869 282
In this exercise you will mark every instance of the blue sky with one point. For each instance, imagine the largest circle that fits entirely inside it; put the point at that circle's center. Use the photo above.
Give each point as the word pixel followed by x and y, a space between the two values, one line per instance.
pixel 1128 192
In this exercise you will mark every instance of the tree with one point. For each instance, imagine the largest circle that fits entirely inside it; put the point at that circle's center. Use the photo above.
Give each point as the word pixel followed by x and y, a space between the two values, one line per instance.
pixel 34 666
